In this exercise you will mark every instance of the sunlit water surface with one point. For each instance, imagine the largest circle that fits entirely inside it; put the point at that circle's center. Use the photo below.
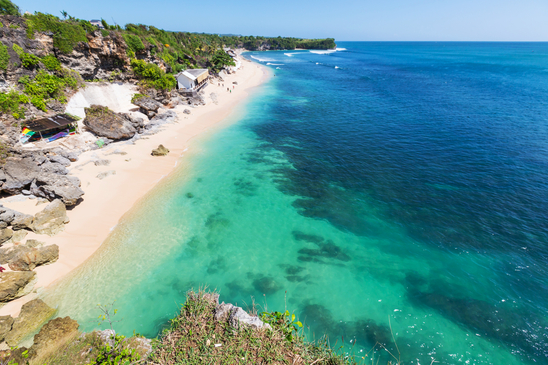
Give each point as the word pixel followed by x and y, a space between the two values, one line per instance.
pixel 384 191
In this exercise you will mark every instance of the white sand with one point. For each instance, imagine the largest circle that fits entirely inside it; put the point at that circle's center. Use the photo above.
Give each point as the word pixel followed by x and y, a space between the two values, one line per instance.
pixel 107 200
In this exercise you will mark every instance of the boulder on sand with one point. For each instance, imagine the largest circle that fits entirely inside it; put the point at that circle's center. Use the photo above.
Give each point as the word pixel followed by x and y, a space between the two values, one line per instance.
pixel 32 315
pixel 27 260
pixel 51 220
pixel 147 105
pixel 19 173
pixel 16 284
pixel 52 186
pixel 104 122
pixel 9 253
pixel 160 151
pixel 6 322
pixel 5 235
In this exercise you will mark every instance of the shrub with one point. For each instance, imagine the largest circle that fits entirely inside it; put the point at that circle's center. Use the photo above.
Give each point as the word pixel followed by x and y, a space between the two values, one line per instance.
pixel 17 49
pixel 152 75
pixel 8 8
pixel 66 34
pixel 28 60
pixel 137 97
pixel 134 42
pixel 4 57
pixel 105 33
pixel 10 103
pixel 45 87
pixel 51 62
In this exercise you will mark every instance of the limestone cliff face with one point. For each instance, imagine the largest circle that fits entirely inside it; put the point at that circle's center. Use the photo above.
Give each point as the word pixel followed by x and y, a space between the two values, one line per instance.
pixel 102 57
pixel 98 58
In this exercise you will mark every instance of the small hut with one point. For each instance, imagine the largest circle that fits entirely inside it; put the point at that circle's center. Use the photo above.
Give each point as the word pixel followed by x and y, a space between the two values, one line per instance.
pixel 192 79
pixel 49 129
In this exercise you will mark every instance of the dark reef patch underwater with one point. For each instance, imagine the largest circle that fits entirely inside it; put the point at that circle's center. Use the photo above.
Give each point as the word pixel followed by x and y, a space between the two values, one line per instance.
pixel 390 193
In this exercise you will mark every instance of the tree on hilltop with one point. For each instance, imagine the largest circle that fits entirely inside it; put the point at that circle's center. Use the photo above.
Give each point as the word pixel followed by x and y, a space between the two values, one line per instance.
pixel 8 8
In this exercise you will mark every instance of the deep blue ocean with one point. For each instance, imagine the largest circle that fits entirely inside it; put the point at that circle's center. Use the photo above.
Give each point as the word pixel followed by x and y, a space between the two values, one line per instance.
pixel 392 193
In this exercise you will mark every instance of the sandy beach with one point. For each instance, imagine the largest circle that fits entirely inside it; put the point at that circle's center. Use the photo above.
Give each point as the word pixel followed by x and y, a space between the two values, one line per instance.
pixel 133 172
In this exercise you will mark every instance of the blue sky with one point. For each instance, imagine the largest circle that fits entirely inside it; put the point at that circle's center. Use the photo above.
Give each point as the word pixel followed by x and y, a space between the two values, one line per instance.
pixel 345 20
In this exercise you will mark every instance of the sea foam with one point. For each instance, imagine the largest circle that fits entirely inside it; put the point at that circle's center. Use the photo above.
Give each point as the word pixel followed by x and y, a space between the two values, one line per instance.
pixel 262 59
pixel 324 52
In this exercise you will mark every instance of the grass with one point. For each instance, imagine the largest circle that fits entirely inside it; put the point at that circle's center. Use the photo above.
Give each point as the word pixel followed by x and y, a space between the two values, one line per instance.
pixel 194 337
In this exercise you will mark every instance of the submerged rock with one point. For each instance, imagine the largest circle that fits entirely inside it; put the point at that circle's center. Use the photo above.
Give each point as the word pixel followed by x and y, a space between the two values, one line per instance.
pixel 16 284
pixel 32 315
pixel 52 219
pixel 160 151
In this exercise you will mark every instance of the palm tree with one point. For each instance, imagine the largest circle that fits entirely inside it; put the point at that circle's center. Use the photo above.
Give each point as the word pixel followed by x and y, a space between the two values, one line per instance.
pixel 64 13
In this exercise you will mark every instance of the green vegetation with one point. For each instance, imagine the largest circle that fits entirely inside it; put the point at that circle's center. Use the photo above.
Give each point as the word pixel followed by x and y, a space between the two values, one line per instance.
pixel 137 97
pixel 4 57
pixel 134 43
pixel 29 60
pixel 51 63
pixel 253 43
pixel 8 8
pixel 10 103
pixel 45 87
pixel 152 75
pixel 66 34
pixel 194 333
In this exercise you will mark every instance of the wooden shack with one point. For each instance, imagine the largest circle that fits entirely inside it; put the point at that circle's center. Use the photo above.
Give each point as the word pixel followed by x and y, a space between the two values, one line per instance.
pixel 49 129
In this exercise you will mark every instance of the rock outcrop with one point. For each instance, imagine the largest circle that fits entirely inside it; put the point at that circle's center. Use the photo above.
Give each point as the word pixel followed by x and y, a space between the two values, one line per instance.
pixel 51 220
pixel 52 186
pixel 5 235
pixel 168 117
pixel 19 173
pixel 9 253
pixel 103 122
pixel 33 315
pixel 147 105
pixel 52 337
pixel 16 284
pixel 6 322
pixel 27 260
pixel 160 151
pixel 236 316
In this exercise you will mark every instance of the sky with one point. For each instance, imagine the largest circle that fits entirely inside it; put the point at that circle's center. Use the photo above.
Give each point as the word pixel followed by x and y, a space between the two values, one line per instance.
pixel 344 20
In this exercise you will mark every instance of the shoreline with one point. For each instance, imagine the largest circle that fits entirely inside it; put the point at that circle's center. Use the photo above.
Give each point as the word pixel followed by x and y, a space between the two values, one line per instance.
pixel 137 172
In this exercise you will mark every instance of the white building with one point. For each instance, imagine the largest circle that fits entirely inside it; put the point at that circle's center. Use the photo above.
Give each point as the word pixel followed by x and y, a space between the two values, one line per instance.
pixel 192 79
pixel 97 23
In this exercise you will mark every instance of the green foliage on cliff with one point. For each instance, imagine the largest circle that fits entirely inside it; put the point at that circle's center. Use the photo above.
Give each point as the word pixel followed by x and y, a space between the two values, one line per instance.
pixel 66 33
pixel 152 75
pixel 8 8
pixel 28 60
pixel 194 335
pixel 4 57
pixel 10 103
pixel 253 43
pixel 51 62
pixel 45 87
pixel 134 42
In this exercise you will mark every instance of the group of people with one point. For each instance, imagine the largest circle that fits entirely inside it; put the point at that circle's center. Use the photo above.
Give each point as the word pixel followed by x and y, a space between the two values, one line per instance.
pixel 228 88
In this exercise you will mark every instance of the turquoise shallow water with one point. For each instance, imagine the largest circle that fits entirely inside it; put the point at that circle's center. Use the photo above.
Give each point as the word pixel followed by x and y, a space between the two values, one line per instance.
pixel 386 184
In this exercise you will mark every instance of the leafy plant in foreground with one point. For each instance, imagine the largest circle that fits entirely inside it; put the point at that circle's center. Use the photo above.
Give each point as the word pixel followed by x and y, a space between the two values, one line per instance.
pixel 285 322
